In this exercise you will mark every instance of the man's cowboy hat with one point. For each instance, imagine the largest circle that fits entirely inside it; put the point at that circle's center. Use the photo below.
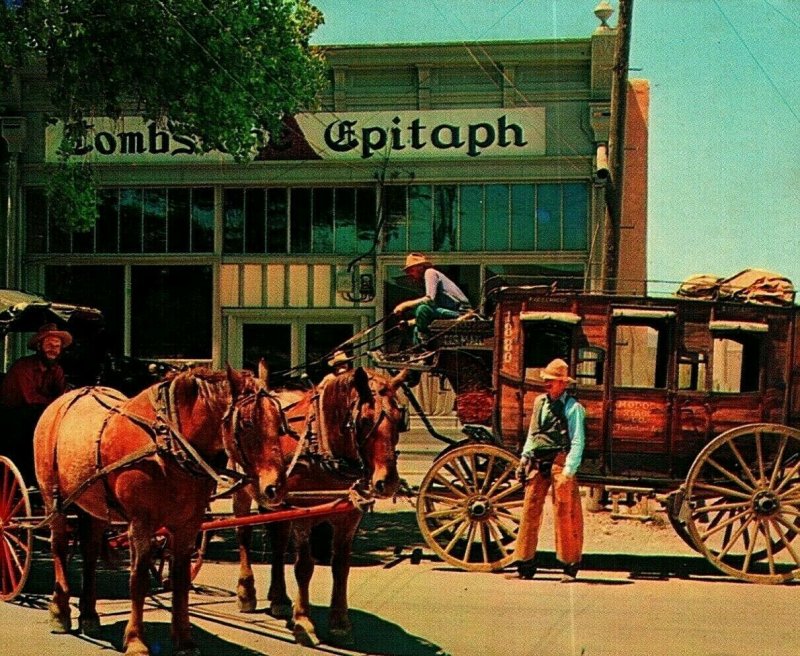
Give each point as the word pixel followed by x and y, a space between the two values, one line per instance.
pixel 416 259
pixel 557 370
pixel 339 357
pixel 50 330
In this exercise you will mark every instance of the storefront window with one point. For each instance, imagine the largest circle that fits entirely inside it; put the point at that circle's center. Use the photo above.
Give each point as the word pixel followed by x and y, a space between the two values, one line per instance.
pixel 277 220
pixel 497 206
pixel 100 287
pixel 254 225
pixel 171 312
pixel 548 217
pixel 420 237
pixel 147 220
pixel 444 218
pixel 576 213
pixel 395 228
pixel 345 220
pixel 471 213
pixel 323 221
pixel 522 218
pixel 366 218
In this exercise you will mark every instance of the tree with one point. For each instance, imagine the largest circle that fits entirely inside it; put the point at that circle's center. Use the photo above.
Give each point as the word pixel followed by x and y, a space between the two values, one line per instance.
pixel 220 71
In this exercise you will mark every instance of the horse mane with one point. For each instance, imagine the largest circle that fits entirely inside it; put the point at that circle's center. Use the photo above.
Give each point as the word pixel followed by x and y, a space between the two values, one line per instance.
pixel 208 384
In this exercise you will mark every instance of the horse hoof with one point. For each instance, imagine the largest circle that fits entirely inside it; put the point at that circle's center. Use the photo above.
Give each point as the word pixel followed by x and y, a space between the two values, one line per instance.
pixel 189 651
pixel 59 623
pixel 305 636
pixel 136 648
pixel 341 637
pixel 281 611
pixel 90 626
pixel 247 605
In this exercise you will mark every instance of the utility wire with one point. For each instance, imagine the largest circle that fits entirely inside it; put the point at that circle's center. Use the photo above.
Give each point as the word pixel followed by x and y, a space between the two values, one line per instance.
pixel 757 63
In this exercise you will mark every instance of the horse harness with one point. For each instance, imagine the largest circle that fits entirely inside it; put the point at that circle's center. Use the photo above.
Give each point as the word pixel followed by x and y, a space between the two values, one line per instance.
pixel 309 443
pixel 167 441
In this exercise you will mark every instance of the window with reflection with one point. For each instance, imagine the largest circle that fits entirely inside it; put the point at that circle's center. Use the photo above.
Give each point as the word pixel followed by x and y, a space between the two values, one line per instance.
pixel 130 220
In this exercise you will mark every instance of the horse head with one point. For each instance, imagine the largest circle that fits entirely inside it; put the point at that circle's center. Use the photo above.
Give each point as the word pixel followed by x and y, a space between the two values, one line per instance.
pixel 251 434
pixel 363 424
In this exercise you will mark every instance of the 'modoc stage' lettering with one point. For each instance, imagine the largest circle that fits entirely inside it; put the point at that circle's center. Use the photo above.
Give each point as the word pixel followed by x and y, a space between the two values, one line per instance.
pixel 344 136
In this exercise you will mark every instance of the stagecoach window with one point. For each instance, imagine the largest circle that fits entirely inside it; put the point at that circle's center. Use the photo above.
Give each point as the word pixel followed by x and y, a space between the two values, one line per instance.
pixel 641 356
pixel 544 341
pixel 590 366
pixel 736 363
pixel 692 369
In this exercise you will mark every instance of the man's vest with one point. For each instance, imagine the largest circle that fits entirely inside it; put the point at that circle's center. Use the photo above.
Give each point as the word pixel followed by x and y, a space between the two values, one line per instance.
pixel 550 433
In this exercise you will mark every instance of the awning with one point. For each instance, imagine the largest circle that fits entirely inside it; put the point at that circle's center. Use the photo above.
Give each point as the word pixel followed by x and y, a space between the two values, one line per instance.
pixel 561 317
pixel 640 313
pixel 745 326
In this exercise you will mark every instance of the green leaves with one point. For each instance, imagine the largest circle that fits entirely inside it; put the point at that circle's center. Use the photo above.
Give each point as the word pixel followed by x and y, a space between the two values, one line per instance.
pixel 72 196
pixel 222 71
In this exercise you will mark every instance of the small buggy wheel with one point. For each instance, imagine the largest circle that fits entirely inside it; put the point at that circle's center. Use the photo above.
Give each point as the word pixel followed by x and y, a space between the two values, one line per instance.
pixel 469 506
pixel 742 505
pixel 16 540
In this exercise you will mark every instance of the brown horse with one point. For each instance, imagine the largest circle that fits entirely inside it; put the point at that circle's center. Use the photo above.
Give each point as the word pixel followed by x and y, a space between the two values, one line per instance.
pixel 149 461
pixel 353 425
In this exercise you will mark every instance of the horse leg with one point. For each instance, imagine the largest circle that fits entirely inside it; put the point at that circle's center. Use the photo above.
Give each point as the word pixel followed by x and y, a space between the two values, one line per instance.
pixel 303 627
pixel 246 586
pixel 60 620
pixel 183 545
pixel 344 531
pixel 280 605
pixel 139 535
pixel 91 533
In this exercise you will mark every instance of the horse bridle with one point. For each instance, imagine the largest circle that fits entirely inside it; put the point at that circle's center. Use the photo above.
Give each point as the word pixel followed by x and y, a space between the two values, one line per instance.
pixel 232 415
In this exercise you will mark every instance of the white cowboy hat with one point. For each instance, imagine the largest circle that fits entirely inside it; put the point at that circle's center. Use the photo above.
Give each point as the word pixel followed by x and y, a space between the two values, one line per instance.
pixel 556 370
pixel 50 330
pixel 416 259
pixel 340 357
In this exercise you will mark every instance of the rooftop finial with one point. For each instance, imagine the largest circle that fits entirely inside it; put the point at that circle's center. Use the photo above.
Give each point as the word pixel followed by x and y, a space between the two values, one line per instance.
pixel 603 11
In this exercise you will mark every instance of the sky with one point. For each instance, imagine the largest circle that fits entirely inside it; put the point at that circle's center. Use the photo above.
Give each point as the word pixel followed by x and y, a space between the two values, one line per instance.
pixel 724 149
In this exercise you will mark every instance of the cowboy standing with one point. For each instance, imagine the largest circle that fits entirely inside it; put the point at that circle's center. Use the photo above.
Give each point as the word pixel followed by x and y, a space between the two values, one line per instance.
pixel 30 385
pixel 551 456
pixel 443 299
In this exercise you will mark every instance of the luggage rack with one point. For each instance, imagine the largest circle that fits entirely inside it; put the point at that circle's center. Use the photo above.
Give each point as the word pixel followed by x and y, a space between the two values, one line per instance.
pixel 413 360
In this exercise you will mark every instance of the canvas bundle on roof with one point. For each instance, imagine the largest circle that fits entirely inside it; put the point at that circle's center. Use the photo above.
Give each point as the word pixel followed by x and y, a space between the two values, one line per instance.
pixel 748 286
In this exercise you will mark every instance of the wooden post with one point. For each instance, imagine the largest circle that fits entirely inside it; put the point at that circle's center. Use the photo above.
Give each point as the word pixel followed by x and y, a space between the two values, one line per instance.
pixel 616 145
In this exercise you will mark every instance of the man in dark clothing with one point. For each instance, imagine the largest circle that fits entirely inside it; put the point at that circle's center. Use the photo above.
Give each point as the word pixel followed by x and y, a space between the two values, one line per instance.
pixel 30 385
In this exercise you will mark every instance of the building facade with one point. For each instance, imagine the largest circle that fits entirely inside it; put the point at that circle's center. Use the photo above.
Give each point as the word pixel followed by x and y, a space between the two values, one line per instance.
pixel 481 155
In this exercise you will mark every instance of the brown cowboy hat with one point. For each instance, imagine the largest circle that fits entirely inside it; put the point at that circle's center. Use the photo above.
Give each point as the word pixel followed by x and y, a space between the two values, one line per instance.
pixel 340 357
pixel 416 259
pixel 49 330
pixel 556 370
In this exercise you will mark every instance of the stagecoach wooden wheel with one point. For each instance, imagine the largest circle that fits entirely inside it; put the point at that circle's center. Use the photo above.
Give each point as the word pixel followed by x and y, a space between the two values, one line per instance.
pixel 16 540
pixel 469 505
pixel 743 502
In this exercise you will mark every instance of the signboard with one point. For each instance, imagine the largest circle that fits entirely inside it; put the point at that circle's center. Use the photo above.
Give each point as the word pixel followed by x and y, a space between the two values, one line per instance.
pixel 467 134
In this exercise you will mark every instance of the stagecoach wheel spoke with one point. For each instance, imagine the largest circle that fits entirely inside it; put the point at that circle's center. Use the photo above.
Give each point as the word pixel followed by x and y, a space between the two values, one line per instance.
pixel 16 540
pixel 744 504
pixel 468 507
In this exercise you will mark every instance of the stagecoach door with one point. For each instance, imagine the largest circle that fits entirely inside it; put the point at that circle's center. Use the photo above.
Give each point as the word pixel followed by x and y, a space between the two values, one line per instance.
pixel 640 408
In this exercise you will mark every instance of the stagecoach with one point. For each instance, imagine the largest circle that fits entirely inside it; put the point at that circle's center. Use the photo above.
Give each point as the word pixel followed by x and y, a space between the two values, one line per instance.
pixel 691 398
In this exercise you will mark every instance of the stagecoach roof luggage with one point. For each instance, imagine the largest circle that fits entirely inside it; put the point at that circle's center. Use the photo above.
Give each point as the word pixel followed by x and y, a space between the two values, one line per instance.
pixel 748 286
